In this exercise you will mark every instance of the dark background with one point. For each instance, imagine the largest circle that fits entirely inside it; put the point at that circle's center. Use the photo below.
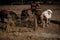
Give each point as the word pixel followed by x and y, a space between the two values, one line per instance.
pixel 9 2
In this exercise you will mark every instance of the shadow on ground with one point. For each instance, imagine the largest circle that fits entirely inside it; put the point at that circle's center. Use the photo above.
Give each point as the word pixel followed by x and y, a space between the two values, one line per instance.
pixel 55 22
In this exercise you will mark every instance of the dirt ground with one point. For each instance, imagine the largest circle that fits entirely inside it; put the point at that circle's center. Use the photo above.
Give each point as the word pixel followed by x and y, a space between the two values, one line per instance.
pixel 27 33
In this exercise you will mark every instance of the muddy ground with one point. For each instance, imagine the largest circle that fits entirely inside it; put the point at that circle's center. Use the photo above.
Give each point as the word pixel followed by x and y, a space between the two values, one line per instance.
pixel 27 33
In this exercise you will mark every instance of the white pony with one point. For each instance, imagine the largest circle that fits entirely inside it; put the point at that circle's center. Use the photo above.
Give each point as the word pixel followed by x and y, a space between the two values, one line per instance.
pixel 45 17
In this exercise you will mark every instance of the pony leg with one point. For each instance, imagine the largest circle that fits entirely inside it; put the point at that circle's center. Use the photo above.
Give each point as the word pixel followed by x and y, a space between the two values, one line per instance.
pixel 43 24
pixel 47 22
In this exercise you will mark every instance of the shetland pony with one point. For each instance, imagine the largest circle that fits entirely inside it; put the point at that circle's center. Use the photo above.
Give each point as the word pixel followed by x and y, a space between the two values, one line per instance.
pixel 45 17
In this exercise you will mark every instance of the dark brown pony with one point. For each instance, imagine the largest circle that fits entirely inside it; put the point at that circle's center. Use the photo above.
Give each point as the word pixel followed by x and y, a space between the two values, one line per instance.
pixel 10 17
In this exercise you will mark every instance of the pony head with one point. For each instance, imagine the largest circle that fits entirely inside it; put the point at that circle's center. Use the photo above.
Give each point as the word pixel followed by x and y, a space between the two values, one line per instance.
pixel 49 10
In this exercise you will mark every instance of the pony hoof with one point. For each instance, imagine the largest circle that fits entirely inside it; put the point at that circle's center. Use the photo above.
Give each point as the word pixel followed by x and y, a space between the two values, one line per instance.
pixel 47 26
pixel 43 26
pixel 48 23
